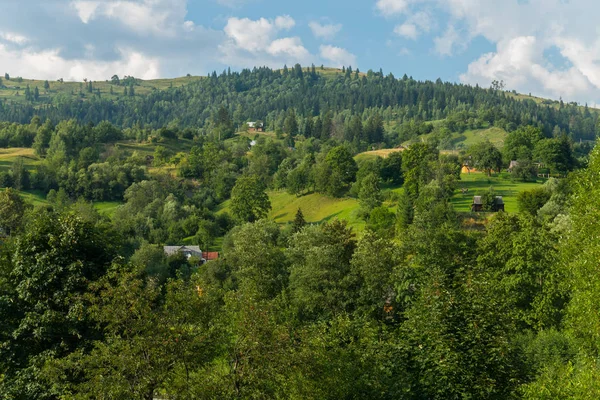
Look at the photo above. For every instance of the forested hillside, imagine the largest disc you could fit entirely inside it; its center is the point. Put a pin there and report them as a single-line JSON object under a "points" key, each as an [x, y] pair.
{"points": [[380, 238], [265, 94]]}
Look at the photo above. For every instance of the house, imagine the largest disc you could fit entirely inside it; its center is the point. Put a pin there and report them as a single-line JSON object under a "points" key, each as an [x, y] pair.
{"points": [[477, 204], [256, 127], [512, 165], [187, 251], [498, 204]]}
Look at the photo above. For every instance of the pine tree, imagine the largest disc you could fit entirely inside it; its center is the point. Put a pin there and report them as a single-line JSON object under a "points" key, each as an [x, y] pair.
{"points": [[90, 88], [46, 85], [131, 91], [299, 221], [28, 95], [36, 94]]}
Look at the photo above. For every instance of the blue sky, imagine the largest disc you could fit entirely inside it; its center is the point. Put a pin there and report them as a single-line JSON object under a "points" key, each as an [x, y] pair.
{"points": [[549, 48]]}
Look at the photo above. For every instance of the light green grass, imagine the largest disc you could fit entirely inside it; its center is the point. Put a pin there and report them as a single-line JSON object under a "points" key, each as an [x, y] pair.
{"points": [[147, 149], [10, 155], [479, 183], [317, 208], [373, 154], [495, 135], [107, 208]]}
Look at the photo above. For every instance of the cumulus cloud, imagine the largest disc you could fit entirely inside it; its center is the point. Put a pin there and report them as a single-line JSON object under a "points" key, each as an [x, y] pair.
{"points": [[522, 33], [71, 39], [158, 17], [252, 42], [324, 31], [337, 56], [48, 63], [392, 7], [14, 38], [414, 25]]}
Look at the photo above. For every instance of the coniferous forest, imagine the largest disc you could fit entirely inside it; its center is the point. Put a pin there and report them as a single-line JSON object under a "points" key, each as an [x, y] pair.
{"points": [[419, 301]]}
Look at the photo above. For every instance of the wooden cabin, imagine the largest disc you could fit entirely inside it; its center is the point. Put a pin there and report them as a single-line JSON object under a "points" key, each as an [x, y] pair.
{"points": [[256, 127], [498, 204], [477, 205]]}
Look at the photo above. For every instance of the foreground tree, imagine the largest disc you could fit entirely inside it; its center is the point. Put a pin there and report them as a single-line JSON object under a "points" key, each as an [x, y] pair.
{"points": [[46, 271], [12, 209]]}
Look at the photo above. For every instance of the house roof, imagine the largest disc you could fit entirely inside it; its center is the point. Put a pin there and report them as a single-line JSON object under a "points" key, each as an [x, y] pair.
{"points": [[210, 255], [170, 250], [477, 200], [254, 124]]}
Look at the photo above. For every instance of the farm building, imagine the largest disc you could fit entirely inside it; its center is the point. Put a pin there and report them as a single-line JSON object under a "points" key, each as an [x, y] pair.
{"points": [[256, 127], [187, 251], [477, 204], [498, 204]]}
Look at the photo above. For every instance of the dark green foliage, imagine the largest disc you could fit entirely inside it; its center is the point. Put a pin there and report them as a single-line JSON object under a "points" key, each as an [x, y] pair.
{"points": [[486, 157], [391, 168], [299, 221], [50, 268], [12, 210], [555, 154], [532, 200], [249, 202]]}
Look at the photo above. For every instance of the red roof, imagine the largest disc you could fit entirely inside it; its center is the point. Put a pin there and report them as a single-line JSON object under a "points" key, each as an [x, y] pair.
{"points": [[210, 255]]}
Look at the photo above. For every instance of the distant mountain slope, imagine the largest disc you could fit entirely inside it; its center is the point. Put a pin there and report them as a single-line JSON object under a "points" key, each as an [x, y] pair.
{"points": [[265, 94]]}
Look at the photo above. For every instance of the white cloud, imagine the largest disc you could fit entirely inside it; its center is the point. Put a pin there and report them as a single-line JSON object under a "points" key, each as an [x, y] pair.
{"points": [[285, 22], [156, 17], [444, 44], [250, 35], [407, 30], [523, 32], [415, 24], [14, 38], [337, 56], [256, 42], [48, 64], [392, 7], [324, 31], [289, 47]]}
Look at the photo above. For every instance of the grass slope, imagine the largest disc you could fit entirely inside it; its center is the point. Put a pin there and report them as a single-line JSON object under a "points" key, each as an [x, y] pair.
{"points": [[494, 134], [9, 156], [317, 208], [479, 183]]}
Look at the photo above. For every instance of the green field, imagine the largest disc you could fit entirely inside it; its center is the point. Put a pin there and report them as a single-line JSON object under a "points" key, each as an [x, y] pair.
{"points": [[470, 137], [479, 183], [9, 156], [316, 208]]}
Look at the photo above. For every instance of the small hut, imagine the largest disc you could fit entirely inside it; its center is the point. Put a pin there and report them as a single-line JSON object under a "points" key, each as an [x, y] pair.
{"points": [[477, 204], [498, 204]]}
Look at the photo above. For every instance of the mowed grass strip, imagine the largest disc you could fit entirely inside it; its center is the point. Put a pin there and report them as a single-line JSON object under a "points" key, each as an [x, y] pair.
{"points": [[10, 155], [479, 183], [383, 153]]}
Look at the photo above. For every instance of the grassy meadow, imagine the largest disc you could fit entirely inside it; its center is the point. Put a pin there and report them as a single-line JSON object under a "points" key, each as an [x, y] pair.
{"points": [[478, 183], [10, 155]]}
